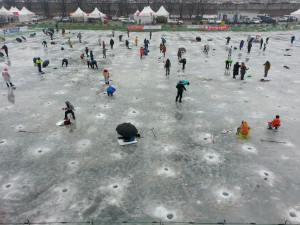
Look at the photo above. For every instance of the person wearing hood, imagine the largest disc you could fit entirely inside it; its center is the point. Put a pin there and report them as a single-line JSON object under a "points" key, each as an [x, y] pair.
{"points": [[79, 36], [243, 131], [69, 109], [243, 70], [106, 76], [275, 123], [110, 90], [64, 61], [185, 82], [92, 55], [267, 68], [6, 77], [241, 44], [180, 87], [168, 66], [236, 68], [4, 47], [111, 43], [293, 38], [39, 64], [147, 44]]}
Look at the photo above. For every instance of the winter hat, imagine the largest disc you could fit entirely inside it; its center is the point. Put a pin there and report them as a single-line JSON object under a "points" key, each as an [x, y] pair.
{"points": [[5, 69], [105, 70]]}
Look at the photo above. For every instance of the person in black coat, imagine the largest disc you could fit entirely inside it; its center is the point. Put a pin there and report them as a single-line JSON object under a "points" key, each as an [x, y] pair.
{"points": [[64, 61], [249, 46], [4, 47], [112, 43], [180, 87], [236, 68], [167, 66], [183, 61], [261, 42]]}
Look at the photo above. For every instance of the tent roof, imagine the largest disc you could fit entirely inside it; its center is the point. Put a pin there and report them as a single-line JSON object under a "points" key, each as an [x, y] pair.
{"points": [[79, 12], [14, 9], [162, 12], [137, 12], [296, 12], [3, 9], [25, 11], [96, 13], [147, 10]]}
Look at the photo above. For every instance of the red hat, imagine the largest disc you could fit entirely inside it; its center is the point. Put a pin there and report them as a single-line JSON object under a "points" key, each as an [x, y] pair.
{"points": [[5, 69]]}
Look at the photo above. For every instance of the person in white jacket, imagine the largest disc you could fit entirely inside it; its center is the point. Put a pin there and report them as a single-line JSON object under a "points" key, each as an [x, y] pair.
{"points": [[7, 77]]}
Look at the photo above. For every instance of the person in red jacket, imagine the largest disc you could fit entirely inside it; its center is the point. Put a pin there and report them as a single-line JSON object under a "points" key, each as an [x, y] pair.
{"points": [[103, 44], [164, 49], [275, 123], [141, 51]]}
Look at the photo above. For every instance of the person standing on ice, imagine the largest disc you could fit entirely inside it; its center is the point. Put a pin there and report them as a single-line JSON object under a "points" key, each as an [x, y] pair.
{"points": [[179, 54], [92, 55], [249, 38], [228, 40], [243, 131], [63, 31], [161, 47], [103, 44], [127, 32], [104, 53], [164, 49], [106, 76], [45, 44], [39, 64], [150, 35], [241, 44], [228, 63], [141, 52], [261, 43], [6, 77], [79, 36], [147, 44], [4, 47], [243, 70], [267, 40], [70, 43], [163, 40], [265, 46], [69, 109], [236, 68], [249, 46], [267, 68], [293, 39], [127, 44], [99, 40], [229, 52], [168, 66], [87, 51], [111, 42], [183, 61], [180, 87], [136, 41]]}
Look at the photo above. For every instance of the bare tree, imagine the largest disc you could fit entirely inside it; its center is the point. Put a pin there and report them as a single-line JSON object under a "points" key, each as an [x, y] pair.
{"points": [[123, 6], [28, 4], [78, 3], [107, 6], [170, 6], [63, 6], [203, 6], [181, 6], [10, 3], [45, 6], [191, 6]]}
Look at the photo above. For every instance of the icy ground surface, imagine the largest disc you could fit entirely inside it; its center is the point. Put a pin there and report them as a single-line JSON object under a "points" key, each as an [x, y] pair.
{"points": [[80, 172]]}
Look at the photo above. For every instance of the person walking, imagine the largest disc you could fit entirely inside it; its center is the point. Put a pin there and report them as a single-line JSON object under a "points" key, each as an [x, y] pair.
{"points": [[127, 32], [163, 40], [228, 40], [261, 43], [183, 61], [168, 66], [236, 68], [79, 36], [249, 46], [267, 68], [243, 70], [267, 40], [179, 54], [141, 52], [147, 44], [113, 33], [87, 51], [164, 50], [104, 53], [161, 47], [180, 87], [99, 40], [64, 61], [136, 41], [229, 52], [150, 35], [293, 39], [265, 46], [5, 48], [45, 44], [39, 64], [51, 35], [106, 76], [6, 77], [103, 44], [69, 109], [127, 44], [112, 43], [241, 44]]}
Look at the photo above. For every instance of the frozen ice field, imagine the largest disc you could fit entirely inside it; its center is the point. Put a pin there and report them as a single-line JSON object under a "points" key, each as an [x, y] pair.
{"points": [[78, 172]]}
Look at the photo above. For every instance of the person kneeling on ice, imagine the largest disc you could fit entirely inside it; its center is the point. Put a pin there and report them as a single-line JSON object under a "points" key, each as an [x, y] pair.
{"points": [[243, 131], [92, 63], [69, 109], [185, 82], [275, 123], [110, 90]]}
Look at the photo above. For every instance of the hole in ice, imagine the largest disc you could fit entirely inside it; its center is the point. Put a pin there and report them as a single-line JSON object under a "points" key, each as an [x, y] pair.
{"points": [[40, 151], [204, 138], [133, 111], [72, 163], [249, 148], [211, 157], [64, 190], [170, 216], [225, 194], [292, 214], [266, 174], [115, 186], [8, 186], [279, 106], [166, 169]]}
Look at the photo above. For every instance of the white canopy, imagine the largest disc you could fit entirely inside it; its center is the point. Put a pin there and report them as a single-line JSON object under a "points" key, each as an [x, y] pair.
{"points": [[147, 11], [25, 11], [14, 10], [3, 10], [78, 13], [137, 13], [96, 14], [296, 13], [25, 15], [162, 12]]}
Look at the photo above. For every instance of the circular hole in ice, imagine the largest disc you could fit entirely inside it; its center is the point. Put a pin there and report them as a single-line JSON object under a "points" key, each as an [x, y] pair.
{"points": [[133, 111], [292, 214], [205, 138], [64, 190], [72, 163], [279, 106], [249, 148], [40, 151], [225, 194], [266, 174], [166, 169], [211, 157], [170, 216], [8, 186], [115, 186]]}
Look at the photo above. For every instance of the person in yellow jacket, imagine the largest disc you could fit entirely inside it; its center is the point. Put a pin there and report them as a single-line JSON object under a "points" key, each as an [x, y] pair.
{"points": [[267, 68], [136, 41], [243, 130]]}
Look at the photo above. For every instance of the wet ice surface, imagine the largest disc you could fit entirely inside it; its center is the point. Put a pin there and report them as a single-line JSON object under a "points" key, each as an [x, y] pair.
{"points": [[80, 172]]}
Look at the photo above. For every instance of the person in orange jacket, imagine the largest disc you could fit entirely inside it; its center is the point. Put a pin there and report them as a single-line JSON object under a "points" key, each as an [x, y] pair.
{"points": [[106, 76], [243, 130], [136, 41], [267, 68], [275, 123], [141, 51]]}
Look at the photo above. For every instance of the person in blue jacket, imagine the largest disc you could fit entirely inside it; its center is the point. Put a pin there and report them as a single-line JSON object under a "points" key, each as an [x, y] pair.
{"points": [[110, 90], [185, 82], [92, 55]]}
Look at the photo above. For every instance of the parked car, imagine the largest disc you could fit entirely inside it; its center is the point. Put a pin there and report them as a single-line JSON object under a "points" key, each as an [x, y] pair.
{"points": [[57, 18], [239, 21], [65, 19], [35, 18], [255, 21], [115, 18], [211, 21], [121, 18], [218, 21], [128, 21], [42, 17], [175, 21]]}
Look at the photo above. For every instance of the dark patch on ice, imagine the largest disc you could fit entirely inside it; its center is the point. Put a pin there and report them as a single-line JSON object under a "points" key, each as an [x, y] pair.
{"points": [[204, 138], [8, 186], [133, 111], [211, 157], [249, 148], [72, 163], [266, 174], [166, 169], [170, 216], [40, 151], [115, 186], [64, 190], [292, 214], [225, 194]]}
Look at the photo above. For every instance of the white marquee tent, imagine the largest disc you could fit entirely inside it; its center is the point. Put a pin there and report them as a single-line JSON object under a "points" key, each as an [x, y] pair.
{"points": [[162, 15], [25, 15], [96, 14], [296, 14], [146, 16], [4, 15], [79, 15]]}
